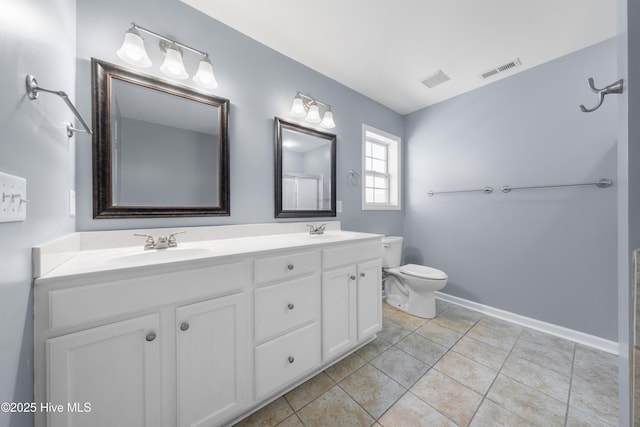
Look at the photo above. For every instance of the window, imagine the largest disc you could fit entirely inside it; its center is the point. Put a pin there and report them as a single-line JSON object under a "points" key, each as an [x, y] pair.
{"points": [[381, 166]]}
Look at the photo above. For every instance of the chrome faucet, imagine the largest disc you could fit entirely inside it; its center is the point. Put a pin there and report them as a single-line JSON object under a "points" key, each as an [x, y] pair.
{"points": [[162, 242], [316, 230]]}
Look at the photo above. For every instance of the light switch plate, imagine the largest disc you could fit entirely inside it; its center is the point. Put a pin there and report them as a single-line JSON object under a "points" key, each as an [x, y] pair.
{"points": [[13, 198], [339, 206], [72, 203]]}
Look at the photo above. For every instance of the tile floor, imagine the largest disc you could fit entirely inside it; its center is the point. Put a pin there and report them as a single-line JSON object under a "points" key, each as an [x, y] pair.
{"points": [[460, 369]]}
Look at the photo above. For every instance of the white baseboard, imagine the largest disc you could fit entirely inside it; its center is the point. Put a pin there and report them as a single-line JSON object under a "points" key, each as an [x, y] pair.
{"points": [[549, 328]]}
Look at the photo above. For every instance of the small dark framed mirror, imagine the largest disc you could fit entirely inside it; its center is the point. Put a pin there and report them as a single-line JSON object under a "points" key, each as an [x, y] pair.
{"points": [[159, 149], [305, 171]]}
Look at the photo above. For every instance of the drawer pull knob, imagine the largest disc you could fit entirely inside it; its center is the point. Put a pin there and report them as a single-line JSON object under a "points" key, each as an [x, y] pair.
{"points": [[291, 359], [290, 266], [151, 336], [290, 306], [362, 274], [184, 326], [352, 277]]}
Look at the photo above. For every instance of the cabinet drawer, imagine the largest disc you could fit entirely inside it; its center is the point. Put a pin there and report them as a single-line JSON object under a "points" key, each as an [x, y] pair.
{"points": [[281, 360], [286, 266], [78, 306], [352, 254], [285, 306]]}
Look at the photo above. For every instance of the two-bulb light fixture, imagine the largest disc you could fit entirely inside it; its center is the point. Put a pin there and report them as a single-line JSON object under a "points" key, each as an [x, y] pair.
{"points": [[133, 52], [306, 107]]}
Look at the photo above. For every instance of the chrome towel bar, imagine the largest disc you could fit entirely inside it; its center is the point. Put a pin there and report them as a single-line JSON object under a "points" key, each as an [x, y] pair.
{"points": [[33, 90], [601, 183]]}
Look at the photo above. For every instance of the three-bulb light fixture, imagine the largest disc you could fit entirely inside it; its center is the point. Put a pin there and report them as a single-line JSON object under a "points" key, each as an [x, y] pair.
{"points": [[133, 52], [306, 107]]}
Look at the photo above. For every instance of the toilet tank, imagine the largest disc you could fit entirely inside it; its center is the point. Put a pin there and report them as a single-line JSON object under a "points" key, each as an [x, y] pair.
{"points": [[391, 251]]}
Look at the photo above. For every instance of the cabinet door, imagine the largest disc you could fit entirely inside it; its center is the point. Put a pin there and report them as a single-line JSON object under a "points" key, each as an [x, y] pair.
{"points": [[369, 299], [338, 311], [211, 341], [114, 369]]}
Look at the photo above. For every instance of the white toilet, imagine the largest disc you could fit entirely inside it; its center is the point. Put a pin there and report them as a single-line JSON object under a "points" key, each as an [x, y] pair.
{"points": [[410, 288]]}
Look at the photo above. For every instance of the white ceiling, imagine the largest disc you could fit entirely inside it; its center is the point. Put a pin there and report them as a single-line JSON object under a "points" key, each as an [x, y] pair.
{"points": [[384, 49]]}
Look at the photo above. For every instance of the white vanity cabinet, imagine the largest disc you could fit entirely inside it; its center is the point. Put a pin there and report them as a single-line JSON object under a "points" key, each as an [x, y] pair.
{"points": [[115, 369], [202, 341], [156, 350], [351, 297], [286, 319]]}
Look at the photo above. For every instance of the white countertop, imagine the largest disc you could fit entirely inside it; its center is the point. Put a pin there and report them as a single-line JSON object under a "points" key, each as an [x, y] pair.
{"points": [[65, 258]]}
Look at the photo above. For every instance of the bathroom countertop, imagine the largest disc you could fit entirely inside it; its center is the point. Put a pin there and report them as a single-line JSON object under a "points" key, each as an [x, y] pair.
{"points": [[120, 261]]}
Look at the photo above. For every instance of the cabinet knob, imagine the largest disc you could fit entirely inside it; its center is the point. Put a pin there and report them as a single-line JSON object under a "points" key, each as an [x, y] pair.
{"points": [[290, 306], [362, 274], [184, 326], [290, 266], [151, 336], [291, 359], [352, 277]]}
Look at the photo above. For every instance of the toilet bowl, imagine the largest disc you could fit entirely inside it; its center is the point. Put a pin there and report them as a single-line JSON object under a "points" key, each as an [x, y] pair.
{"points": [[410, 288]]}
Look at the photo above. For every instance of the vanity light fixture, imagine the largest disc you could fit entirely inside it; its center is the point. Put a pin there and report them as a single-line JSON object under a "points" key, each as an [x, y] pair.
{"points": [[133, 52], [307, 107]]}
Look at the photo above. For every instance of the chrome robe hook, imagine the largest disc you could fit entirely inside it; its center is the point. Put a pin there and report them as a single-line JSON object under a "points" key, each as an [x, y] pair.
{"points": [[612, 88]]}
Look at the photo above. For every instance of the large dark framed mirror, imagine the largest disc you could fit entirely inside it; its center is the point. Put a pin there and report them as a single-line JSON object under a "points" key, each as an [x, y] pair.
{"points": [[305, 171], [159, 149]]}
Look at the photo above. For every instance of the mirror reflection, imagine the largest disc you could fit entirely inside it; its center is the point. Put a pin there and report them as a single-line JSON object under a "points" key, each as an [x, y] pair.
{"points": [[305, 171], [159, 150]]}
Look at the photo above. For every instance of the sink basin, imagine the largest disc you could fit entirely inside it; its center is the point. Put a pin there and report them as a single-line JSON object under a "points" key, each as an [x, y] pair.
{"points": [[153, 256]]}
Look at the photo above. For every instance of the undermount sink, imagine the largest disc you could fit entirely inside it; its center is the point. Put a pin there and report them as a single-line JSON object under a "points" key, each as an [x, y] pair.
{"points": [[159, 255]]}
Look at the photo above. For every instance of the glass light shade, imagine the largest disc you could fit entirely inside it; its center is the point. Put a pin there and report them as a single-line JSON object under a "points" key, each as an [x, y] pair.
{"points": [[297, 108], [204, 76], [173, 65], [132, 50], [314, 114], [327, 120]]}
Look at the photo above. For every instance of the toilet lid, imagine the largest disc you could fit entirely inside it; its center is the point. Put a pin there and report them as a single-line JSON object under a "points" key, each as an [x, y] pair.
{"points": [[424, 272]]}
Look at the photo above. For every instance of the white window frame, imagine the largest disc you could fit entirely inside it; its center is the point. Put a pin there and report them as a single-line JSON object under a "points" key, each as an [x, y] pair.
{"points": [[394, 167]]}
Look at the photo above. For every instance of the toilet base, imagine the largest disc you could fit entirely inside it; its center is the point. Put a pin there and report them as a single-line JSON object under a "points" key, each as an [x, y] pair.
{"points": [[419, 305]]}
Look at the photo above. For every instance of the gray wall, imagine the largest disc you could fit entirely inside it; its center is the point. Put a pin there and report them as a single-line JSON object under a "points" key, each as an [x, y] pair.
{"points": [[37, 37], [260, 84], [547, 254]]}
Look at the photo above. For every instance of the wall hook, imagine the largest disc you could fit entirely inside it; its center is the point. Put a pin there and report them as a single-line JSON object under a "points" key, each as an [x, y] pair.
{"points": [[612, 88]]}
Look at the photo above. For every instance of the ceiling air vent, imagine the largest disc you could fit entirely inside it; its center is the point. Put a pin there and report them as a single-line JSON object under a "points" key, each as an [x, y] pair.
{"points": [[502, 68], [436, 79]]}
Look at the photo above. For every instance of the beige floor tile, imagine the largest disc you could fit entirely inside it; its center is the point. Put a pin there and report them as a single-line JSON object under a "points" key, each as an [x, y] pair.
{"points": [[269, 416], [305, 393], [449, 397], [334, 408], [422, 348], [557, 359], [594, 401], [392, 332], [471, 374], [345, 367], [599, 367], [410, 411], [532, 405], [535, 376], [577, 418], [491, 415], [439, 333], [499, 339], [500, 325], [373, 349], [292, 421], [372, 390], [400, 366], [458, 318], [443, 305], [480, 352], [406, 320]]}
